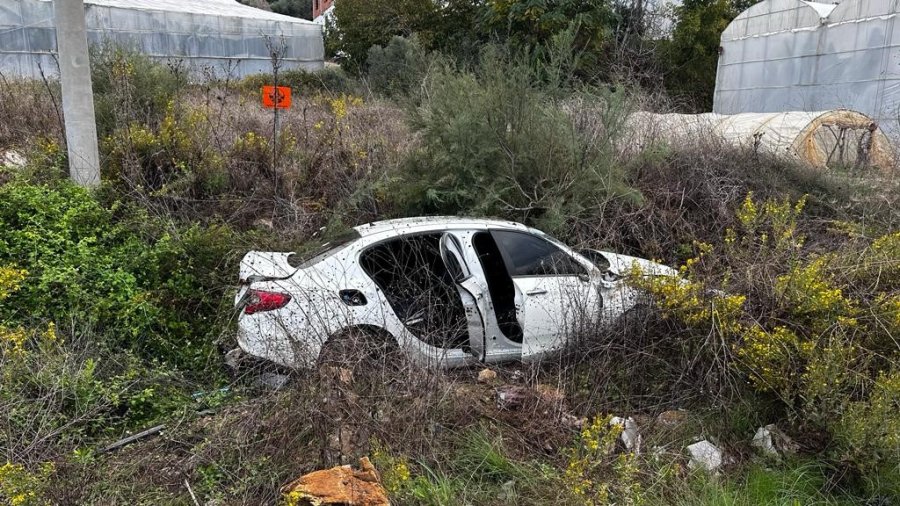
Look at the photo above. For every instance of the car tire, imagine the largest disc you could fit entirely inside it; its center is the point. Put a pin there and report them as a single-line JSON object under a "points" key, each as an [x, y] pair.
{"points": [[362, 352]]}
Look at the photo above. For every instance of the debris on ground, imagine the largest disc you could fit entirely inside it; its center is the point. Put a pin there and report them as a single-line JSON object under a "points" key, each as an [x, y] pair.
{"points": [[487, 376], [233, 359], [770, 441], [272, 381], [342, 375], [672, 418], [13, 159], [630, 436], [341, 485], [551, 395], [512, 396], [705, 455]]}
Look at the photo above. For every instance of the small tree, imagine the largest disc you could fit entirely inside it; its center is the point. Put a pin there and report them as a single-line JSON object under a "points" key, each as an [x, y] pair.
{"points": [[361, 24], [693, 52]]}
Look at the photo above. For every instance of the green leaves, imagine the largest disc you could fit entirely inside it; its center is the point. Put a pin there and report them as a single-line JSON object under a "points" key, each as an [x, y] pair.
{"points": [[87, 268]]}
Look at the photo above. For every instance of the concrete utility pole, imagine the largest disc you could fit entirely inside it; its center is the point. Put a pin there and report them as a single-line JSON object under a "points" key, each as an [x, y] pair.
{"points": [[77, 92]]}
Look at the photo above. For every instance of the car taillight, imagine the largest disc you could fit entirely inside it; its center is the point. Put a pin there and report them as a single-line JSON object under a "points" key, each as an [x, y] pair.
{"points": [[259, 301]]}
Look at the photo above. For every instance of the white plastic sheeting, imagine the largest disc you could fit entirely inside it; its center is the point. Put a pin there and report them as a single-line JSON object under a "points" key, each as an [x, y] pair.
{"points": [[793, 55], [819, 139], [220, 34]]}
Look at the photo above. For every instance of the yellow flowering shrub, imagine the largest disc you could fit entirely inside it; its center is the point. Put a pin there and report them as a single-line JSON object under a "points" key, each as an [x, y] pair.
{"points": [[888, 309], [883, 262], [21, 487], [772, 356], [10, 280], [394, 470], [689, 301], [786, 354], [810, 291], [14, 341], [341, 105], [765, 229], [594, 474], [870, 429]]}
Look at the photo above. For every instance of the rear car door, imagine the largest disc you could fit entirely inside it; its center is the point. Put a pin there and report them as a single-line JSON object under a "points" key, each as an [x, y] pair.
{"points": [[555, 298], [470, 290]]}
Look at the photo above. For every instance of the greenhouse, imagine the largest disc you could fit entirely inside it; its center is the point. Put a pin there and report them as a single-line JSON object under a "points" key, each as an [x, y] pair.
{"points": [[222, 35], [824, 139], [792, 55]]}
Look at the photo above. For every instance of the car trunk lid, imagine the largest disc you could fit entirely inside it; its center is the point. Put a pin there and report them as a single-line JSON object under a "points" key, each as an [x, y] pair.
{"points": [[259, 266]]}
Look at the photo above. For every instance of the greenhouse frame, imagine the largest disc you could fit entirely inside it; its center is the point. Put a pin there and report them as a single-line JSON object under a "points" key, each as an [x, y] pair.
{"points": [[222, 35], [793, 55], [821, 139]]}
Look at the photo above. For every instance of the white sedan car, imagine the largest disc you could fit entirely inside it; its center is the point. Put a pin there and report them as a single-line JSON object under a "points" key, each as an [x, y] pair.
{"points": [[446, 290]]}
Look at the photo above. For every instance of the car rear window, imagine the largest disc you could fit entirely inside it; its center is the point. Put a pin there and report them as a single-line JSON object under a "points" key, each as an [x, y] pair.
{"points": [[317, 253]]}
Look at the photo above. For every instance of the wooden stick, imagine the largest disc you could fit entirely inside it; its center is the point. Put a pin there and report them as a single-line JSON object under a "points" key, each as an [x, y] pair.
{"points": [[191, 491], [130, 439]]}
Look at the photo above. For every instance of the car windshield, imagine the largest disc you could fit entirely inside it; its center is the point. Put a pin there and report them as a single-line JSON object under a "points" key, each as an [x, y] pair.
{"points": [[316, 253]]}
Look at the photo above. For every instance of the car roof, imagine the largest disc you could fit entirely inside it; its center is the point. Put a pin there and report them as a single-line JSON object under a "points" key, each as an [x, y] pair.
{"points": [[428, 223]]}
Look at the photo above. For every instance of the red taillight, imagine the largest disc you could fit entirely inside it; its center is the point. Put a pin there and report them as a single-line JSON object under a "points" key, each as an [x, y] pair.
{"points": [[259, 301]]}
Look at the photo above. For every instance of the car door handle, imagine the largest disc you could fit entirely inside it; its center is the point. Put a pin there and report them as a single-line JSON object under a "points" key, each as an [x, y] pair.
{"points": [[536, 291]]}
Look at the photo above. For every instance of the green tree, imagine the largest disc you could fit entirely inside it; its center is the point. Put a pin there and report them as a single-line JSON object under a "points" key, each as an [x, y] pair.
{"points": [[296, 8], [533, 24], [361, 24], [693, 53]]}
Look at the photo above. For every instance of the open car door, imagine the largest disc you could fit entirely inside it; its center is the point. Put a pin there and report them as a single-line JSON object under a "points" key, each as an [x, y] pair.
{"points": [[470, 290]]}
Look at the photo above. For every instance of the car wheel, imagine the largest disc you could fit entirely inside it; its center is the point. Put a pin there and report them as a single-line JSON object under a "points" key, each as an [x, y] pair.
{"points": [[357, 369], [360, 353]]}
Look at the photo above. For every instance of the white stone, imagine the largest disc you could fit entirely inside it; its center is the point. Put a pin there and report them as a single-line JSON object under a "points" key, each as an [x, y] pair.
{"points": [[631, 436], [12, 159], [763, 440], [705, 455]]}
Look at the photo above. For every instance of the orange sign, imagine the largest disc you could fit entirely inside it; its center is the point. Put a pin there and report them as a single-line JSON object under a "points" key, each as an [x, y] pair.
{"points": [[276, 97]]}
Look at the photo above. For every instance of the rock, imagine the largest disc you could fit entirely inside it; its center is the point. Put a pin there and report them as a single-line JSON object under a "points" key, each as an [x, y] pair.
{"points": [[762, 441], [341, 485], [573, 421], [705, 455], [234, 358], [264, 223], [672, 418], [769, 440], [631, 436], [487, 376], [13, 159], [508, 492]]}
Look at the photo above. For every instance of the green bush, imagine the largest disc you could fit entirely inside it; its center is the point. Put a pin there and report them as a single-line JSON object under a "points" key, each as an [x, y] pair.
{"points": [[808, 333], [131, 87], [499, 141], [396, 68], [134, 288], [329, 80]]}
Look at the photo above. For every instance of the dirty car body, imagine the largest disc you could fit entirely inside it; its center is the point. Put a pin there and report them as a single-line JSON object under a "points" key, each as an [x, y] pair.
{"points": [[449, 291]]}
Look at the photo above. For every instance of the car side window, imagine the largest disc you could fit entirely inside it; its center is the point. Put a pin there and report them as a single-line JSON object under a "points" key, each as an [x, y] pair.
{"points": [[530, 255]]}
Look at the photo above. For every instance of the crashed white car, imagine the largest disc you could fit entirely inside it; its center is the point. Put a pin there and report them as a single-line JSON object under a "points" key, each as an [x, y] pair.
{"points": [[448, 290]]}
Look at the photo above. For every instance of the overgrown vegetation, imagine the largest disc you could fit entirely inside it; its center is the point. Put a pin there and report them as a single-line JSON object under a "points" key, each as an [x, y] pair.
{"points": [[115, 304]]}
